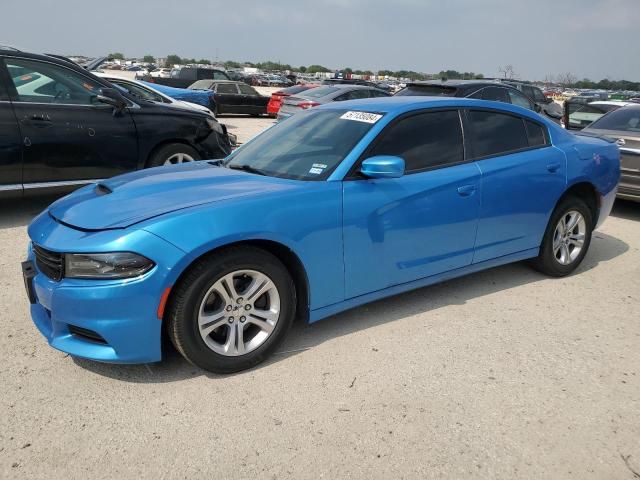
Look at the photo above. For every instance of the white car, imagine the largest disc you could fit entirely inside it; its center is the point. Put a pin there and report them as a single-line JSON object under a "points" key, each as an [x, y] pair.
{"points": [[146, 92], [161, 73]]}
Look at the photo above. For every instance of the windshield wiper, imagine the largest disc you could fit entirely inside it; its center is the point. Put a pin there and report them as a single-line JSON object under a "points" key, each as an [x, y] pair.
{"points": [[247, 168]]}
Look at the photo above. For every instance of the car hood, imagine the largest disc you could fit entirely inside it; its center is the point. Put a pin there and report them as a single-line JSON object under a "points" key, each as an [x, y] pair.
{"points": [[132, 198]]}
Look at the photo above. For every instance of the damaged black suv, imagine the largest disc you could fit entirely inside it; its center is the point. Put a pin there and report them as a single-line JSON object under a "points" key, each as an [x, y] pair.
{"points": [[62, 127]]}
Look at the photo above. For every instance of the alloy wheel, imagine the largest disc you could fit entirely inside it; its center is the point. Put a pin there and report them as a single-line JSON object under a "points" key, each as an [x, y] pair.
{"points": [[568, 237], [177, 158], [239, 312]]}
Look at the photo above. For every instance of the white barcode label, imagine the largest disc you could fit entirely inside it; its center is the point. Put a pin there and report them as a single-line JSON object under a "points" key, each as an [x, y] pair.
{"points": [[365, 117]]}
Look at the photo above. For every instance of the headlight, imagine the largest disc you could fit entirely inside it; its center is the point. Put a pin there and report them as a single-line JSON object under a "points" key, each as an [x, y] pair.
{"points": [[215, 126], [106, 265]]}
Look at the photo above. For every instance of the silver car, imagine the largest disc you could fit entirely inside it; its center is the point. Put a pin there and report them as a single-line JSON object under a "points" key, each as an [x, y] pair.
{"points": [[326, 94], [623, 125]]}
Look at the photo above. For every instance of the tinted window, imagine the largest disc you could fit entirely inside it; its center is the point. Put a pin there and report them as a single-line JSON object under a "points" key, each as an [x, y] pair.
{"points": [[493, 133], [187, 74], [527, 90], [519, 99], [353, 95], [538, 96], [535, 132], [623, 119], [307, 146], [226, 88], [247, 90], [137, 91], [40, 82], [427, 90], [217, 75], [425, 140], [378, 93], [497, 94]]}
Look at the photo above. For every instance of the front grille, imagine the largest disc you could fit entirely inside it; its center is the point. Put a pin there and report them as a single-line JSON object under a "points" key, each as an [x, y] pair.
{"points": [[50, 263], [86, 334]]}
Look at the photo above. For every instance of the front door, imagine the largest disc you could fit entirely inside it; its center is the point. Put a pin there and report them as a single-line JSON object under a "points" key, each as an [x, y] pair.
{"points": [[228, 98], [10, 145], [421, 224], [68, 136]]}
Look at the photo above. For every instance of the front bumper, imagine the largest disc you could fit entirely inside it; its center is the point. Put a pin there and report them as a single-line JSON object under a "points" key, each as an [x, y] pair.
{"points": [[121, 314], [629, 188]]}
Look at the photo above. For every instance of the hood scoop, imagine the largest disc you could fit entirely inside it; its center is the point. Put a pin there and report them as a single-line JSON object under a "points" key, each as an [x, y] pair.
{"points": [[102, 189]]}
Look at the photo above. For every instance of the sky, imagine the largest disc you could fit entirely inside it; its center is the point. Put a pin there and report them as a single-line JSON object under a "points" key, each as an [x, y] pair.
{"points": [[592, 39]]}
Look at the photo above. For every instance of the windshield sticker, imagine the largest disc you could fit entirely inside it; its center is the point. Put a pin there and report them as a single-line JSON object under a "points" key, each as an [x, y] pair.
{"points": [[319, 165], [365, 117], [316, 170]]}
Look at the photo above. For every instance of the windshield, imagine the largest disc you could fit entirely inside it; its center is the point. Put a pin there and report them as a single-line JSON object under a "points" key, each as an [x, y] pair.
{"points": [[307, 146], [623, 119]]}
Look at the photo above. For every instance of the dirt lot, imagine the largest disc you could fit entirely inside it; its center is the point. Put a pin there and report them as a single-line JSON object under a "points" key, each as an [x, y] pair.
{"points": [[503, 374]]}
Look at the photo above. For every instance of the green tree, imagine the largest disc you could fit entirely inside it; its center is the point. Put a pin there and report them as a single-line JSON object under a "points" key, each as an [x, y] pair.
{"points": [[231, 64], [302, 69], [317, 68], [204, 61], [172, 60], [116, 56], [149, 59]]}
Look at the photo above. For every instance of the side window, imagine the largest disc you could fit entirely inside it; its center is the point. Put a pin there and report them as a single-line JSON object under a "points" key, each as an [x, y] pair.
{"points": [[424, 141], [247, 90], [217, 75], [138, 91], [229, 88], [493, 133], [479, 94], [519, 99], [527, 90], [378, 93], [41, 82], [497, 94], [536, 135], [188, 74], [538, 96]]}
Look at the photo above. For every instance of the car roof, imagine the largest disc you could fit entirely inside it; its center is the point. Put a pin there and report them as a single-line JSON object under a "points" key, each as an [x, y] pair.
{"points": [[398, 105]]}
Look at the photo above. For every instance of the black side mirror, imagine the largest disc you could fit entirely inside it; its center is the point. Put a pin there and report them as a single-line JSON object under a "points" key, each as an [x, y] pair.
{"points": [[112, 97]]}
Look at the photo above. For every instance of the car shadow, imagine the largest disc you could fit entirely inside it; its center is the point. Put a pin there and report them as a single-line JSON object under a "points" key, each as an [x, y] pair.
{"points": [[20, 212], [626, 209], [303, 336]]}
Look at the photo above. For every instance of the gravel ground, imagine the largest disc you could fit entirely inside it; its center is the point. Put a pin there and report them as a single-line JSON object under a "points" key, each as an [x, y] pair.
{"points": [[503, 374]]}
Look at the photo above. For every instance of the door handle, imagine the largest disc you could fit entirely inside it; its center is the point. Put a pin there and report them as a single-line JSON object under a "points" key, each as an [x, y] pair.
{"points": [[36, 120], [553, 167], [466, 190]]}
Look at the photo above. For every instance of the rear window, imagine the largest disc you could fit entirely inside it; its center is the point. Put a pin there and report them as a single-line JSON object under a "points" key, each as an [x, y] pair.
{"points": [[493, 133], [320, 92], [201, 85], [427, 91], [623, 119], [293, 90]]}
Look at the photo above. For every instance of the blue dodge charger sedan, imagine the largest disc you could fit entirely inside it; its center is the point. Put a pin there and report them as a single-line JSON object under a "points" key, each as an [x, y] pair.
{"points": [[341, 205]]}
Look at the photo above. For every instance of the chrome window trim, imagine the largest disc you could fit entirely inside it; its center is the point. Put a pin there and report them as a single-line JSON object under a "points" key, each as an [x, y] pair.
{"points": [[67, 183], [10, 187]]}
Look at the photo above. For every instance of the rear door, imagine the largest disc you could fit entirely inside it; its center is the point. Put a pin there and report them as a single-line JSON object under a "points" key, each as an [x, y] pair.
{"points": [[523, 176], [398, 230], [252, 101], [10, 142], [228, 98], [69, 138]]}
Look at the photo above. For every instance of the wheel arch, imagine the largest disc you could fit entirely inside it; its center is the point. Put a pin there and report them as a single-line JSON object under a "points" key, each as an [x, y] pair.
{"points": [[282, 252], [587, 192]]}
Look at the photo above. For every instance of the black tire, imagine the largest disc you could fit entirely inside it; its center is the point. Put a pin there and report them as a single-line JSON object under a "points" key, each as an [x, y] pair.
{"points": [[546, 262], [161, 155], [187, 296]]}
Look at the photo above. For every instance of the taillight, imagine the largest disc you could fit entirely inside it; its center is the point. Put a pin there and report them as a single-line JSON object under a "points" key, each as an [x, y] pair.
{"points": [[305, 105]]}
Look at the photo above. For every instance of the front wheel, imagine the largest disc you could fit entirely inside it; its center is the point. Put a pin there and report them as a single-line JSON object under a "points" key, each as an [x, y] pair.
{"points": [[567, 238], [173, 154], [231, 310]]}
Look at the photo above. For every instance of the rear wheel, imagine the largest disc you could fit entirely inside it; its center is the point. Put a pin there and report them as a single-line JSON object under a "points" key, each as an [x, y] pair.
{"points": [[231, 310], [567, 238], [173, 154]]}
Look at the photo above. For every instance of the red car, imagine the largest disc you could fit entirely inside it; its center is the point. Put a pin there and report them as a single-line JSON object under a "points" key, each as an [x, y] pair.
{"points": [[273, 107]]}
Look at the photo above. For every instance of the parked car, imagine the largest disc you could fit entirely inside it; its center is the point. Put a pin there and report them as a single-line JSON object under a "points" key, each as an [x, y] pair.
{"points": [[579, 112], [145, 91], [200, 97], [546, 104], [162, 73], [623, 125], [62, 127], [233, 97], [480, 89], [275, 102], [326, 94], [341, 205], [185, 76]]}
